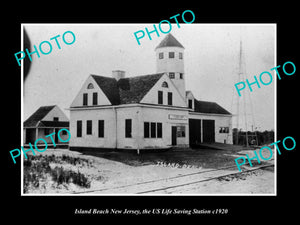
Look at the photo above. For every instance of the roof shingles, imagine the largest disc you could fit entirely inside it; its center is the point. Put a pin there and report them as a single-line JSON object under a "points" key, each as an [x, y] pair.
{"points": [[38, 115], [133, 89], [209, 107], [169, 41], [126, 90]]}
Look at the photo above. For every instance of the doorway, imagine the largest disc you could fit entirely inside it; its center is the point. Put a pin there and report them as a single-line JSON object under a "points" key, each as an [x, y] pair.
{"points": [[174, 135], [195, 132], [208, 131]]}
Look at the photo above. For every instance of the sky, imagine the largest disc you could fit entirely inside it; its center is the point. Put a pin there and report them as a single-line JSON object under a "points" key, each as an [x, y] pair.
{"points": [[211, 62]]}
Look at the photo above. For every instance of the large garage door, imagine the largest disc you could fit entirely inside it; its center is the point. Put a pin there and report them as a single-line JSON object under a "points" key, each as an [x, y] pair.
{"points": [[208, 131], [195, 132]]}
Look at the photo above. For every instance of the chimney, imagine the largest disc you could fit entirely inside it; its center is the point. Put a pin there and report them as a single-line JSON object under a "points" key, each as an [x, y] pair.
{"points": [[118, 74]]}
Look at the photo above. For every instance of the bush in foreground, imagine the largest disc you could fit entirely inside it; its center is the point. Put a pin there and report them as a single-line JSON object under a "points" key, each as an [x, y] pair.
{"points": [[37, 168]]}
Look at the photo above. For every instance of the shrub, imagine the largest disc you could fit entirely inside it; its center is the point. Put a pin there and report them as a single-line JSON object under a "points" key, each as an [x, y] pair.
{"points": [[61, 176], [37, 167]]}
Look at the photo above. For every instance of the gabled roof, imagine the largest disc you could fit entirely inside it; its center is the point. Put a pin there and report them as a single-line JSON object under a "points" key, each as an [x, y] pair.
{"points": [[133, 90], [169, 41], [109, 86], [126, 90], [209, 107], [38, 115]]}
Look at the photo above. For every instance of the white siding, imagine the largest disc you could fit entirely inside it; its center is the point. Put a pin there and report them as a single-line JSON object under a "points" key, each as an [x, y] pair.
{"points": [[152, 96], [162, 115], [114, 134], [93, 140], [102, 99], [56, 112]]}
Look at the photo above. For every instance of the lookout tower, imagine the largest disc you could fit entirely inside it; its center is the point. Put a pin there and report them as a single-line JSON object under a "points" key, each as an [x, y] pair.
{"points": [[170, 60]]}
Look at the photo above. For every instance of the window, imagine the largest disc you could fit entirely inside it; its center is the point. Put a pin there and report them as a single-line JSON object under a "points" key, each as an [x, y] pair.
{"points": [[90, 86], [171, 55], [101, 128], [153, 130], [85, 98], [95, 98], [159, 130], [180, 55], [128, 128], [181, 75], [161, 55], [146, 129], [47, 131], [190, 103], [55, 118], [172, 75], [170, 98], [160, 97], [224, 130], [79, 128], [88, 127], [165, 84], [180, 131]]}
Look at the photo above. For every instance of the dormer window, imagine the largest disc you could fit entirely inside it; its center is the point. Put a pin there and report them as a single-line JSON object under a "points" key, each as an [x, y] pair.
{"points": [[90, 86], [55, 118], [165, 84]]}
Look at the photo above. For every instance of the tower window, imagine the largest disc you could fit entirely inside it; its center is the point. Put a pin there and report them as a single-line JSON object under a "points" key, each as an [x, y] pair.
{"points": [[172, 75], [181, 75], [171, 55], [161, 55], [180, 55]]}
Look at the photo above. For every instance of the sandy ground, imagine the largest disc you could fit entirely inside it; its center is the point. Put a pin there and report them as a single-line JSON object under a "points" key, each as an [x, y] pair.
{"points": [[112, 177]]}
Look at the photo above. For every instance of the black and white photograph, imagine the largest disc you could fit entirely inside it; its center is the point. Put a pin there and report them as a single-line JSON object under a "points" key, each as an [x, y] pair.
{"points": [[130, 109], [150, 112]]}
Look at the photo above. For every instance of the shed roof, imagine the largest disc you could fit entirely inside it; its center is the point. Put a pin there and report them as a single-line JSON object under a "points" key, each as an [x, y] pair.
{"points": [[209, 107]]}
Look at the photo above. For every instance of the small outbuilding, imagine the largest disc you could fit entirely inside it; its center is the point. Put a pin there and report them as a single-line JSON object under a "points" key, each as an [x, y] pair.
{"points": [[44, 121]]}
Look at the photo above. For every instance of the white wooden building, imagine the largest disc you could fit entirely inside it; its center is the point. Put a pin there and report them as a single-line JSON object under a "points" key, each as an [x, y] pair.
{"points": [[146, 112], [44, 121]]}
